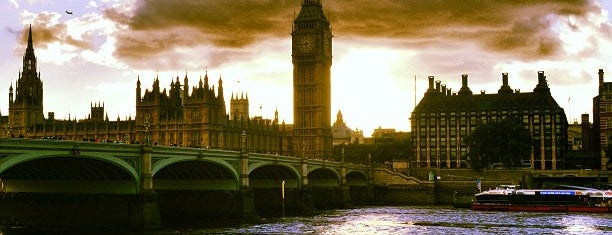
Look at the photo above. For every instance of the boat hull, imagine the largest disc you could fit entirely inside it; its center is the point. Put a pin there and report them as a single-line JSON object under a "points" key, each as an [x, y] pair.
{"points": [[541, 208]]}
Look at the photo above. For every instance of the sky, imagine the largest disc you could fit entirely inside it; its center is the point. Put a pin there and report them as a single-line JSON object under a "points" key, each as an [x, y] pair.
{"points": [[383, 51]]}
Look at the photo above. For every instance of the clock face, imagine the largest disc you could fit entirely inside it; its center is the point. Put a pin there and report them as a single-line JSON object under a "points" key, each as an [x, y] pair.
{"points": [[305, 43]]}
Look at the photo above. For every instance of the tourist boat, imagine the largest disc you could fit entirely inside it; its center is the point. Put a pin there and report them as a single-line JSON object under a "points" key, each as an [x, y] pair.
{"points": [[570, 199]]}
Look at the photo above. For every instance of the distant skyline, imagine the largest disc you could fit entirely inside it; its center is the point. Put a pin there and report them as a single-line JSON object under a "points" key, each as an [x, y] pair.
{"points": [[95, 54]]}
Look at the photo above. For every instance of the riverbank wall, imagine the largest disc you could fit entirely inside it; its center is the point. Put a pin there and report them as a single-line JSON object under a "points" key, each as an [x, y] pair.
{"points": [[430, 186]]}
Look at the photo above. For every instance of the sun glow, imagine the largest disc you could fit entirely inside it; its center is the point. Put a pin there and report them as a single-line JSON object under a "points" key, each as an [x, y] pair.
{"points": [[368, 78]]}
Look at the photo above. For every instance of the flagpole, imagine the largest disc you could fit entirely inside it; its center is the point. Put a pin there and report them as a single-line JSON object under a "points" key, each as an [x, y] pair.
{"points": [[570, 110], [414, 90]]}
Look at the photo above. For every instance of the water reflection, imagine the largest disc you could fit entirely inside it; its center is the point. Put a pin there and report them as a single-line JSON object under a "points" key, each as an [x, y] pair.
{"points": [[580, 225], [405, 220], [430, 220]]}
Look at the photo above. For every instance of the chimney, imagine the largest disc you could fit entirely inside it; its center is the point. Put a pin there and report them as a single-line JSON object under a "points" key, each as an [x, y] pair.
{"points": [[504, 79], [505, 89], [542, 78], [601, 77], [542, 85], [431, 90], [438, 85], [585, 117], [431, 82], [482, 92], [443, 89], [465, 90], [448, 92]]}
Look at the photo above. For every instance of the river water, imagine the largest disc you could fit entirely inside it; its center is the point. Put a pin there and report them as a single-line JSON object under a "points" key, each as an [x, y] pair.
{"points": [[428, 220], [409, 220]]}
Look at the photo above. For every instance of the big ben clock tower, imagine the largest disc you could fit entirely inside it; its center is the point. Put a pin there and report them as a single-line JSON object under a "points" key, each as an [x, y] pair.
{"points": [[312, 59]]}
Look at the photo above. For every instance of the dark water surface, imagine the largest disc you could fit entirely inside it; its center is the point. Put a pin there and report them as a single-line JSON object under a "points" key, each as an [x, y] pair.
{"points": [[403, 220]]}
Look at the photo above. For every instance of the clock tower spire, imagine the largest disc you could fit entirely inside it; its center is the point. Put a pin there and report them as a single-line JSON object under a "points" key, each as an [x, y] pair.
{"points": [[312, 59]]}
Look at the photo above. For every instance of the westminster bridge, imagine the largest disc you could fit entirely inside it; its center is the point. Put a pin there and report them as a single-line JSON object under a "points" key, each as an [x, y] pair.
{"points": [[69, 182]]}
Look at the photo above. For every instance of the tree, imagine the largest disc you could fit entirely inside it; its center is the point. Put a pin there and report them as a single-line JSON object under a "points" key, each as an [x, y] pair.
{"points": [[505, 141], [379, 152]]}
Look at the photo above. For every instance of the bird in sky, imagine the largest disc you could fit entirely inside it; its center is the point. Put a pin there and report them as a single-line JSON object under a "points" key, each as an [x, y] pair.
{"points": [[68, 12]]}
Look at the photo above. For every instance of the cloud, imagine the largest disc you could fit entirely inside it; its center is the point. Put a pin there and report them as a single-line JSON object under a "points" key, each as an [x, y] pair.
{"points": [[159, 28], [46, 30], [92, 4], [14, 4], [519, 29]]}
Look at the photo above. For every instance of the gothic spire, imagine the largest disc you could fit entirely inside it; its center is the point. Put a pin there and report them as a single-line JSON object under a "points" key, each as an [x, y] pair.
{"points": [[30, 38], [29, 59]]}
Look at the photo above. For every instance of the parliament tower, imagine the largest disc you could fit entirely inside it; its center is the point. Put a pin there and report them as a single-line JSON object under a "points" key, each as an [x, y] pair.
{"points": [[312, 59], [26, 106]]}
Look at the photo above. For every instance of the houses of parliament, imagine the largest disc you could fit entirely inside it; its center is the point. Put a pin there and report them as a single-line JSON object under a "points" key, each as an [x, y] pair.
{"points": [[196, 115]]}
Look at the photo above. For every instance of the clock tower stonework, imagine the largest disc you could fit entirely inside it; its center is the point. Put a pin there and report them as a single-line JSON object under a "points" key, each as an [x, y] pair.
{"points": [[312, 59]]}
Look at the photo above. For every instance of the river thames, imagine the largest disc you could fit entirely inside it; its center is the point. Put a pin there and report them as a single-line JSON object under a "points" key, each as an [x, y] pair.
{"points": [[402, 220]]}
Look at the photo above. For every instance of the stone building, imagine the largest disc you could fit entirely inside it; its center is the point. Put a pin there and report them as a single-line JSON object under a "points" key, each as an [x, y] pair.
{"points": [[197, 116], [387, 135], [580, 141], [602, 120], [312, 59], [442, 119], [574, 136], [343, 134]]}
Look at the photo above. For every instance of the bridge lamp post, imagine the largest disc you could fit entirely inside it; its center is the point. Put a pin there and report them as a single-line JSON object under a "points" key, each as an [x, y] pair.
{"points": [[8, 129], [147, 137], [243, 137], [303, 148]]}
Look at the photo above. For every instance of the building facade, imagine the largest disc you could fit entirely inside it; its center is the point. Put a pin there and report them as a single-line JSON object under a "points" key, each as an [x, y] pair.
{"points": [[312, 59], [602, 119], [442, 119], [26, 104], [344, 135], [196, 116]]}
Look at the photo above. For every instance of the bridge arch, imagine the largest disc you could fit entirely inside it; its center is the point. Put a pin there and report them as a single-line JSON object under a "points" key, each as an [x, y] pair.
{"points": [[356, 178], [323, 177], [271, 175], [91, 173], [194, 174]]}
